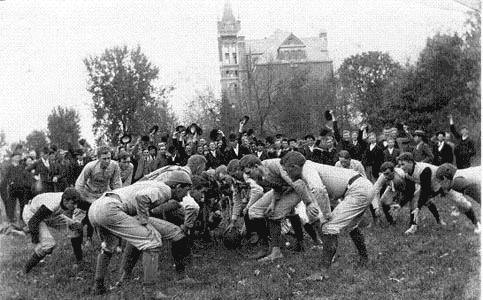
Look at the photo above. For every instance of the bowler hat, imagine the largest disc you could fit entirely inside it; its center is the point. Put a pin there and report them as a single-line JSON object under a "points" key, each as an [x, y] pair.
{"points": [[154, 129], [125, 138], [419, 132]]}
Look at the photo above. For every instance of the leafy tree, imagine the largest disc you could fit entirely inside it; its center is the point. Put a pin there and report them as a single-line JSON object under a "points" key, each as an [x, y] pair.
{"points": [[63, 126], [204, 110], [36, 140], [362, 79], [228, 118], [442, 82], [293, 104], [3, 141], [124, 96], [259, 93]]}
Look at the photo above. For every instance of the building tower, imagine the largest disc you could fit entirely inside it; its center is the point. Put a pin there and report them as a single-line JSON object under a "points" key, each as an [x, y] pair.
{"points": [[229, 52]]}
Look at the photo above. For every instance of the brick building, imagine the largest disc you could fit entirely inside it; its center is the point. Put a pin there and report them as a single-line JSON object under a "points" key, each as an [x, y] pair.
{"points": [[282, 52]]}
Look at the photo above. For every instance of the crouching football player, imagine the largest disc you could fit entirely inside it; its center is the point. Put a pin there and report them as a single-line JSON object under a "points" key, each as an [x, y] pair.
{"points": [[424, 175], [327, 182], [458, 184], [392, 191], [124, 213], [50, 210]]}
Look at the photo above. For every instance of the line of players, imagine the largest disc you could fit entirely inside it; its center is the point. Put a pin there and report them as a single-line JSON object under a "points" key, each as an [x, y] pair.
{"points": [[288, 188]]}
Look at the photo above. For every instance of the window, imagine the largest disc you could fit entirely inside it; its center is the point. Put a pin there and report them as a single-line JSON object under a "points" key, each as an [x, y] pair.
{"points": [[234, 59], [236, 73], [227, 57]]}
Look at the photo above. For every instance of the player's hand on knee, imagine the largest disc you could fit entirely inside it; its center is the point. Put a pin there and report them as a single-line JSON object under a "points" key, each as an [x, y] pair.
{"points": [[270, 210], [395, 210], [415, 212], [378, 212], [312, 210], [230, 227], [75, 226]]}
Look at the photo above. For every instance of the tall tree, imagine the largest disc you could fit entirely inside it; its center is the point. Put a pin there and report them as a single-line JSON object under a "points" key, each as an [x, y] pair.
{"points": [[204, 110], [36, 140], [259, 92], [63, 126], [3, 141], [228, 118], [124, 96], [362, 79]]}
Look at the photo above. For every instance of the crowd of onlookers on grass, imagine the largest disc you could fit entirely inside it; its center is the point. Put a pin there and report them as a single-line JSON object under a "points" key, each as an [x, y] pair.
{"points": [[28, 172]]}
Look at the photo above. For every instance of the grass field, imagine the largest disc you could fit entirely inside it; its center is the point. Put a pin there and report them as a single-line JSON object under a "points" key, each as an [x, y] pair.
{"points": [[436, 263]]}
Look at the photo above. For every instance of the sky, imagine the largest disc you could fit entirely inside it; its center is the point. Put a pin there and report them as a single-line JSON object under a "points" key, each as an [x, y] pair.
{"points": [[43, 43]]}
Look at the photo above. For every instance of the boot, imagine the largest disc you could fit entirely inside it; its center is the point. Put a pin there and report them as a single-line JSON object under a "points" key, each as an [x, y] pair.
{"points": [[32, 262], [182, 255], [358, 239], [470, 214], [129, 259], [330, 243], [309, 228], [275, 235], [150, 265], [102, 266], [434, 210], [251, 234], [77, 248], [299, 233], [260, 225]]}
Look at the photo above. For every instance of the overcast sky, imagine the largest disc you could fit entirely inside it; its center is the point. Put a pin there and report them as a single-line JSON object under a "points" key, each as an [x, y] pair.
{"points": [[43, 43]]}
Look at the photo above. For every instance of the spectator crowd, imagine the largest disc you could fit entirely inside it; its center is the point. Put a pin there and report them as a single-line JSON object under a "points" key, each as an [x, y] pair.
{"points": [[256, 187]]}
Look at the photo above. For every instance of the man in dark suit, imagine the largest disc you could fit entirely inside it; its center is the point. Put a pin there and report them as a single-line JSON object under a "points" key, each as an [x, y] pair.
{"points": [[344, 142], [235, 149], [330, 156], [372, 158], [358, 145], [261, 152], [215, 157], [465, 148], [45, 169], [422, 152], [391, 153], [308, 147], [443, 153], [79, 162]]}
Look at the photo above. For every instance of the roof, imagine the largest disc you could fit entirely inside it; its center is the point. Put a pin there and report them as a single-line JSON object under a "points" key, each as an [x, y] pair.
{"points": [[267, 48]]}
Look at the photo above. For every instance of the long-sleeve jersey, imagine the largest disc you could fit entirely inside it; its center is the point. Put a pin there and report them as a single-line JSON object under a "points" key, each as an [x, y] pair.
{"points": [[326, 182], [94, 181], [140, 197], [425, 175], [51, 201], [399, 183]]}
